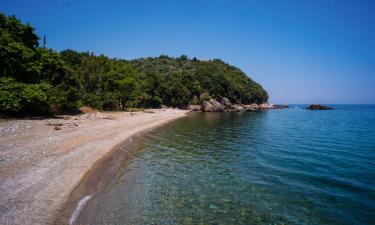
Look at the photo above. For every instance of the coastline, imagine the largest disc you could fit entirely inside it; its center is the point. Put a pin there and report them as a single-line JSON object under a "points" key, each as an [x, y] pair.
{"points": [[41, 166]]}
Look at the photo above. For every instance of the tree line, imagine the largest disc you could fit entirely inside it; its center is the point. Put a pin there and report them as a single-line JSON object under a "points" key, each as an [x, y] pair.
{"points": [[36, 80]]}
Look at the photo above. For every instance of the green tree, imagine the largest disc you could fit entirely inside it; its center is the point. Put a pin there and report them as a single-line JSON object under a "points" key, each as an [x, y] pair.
{"points": [[37, 80], [19, 98]]}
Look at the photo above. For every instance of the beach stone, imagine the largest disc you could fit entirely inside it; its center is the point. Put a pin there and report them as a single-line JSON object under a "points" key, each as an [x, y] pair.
{"points": [[55, 124], [212, 106]]}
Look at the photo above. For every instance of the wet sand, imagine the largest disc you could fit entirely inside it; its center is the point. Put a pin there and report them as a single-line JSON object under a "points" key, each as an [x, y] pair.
{"points": [[41, 166]]}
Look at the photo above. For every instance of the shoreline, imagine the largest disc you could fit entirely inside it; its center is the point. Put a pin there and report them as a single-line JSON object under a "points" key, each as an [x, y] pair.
{"points": [[99, 176], [41, 167]]}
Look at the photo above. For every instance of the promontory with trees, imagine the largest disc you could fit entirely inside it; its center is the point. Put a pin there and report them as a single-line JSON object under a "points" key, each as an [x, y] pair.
{"points": [[35, 80]]}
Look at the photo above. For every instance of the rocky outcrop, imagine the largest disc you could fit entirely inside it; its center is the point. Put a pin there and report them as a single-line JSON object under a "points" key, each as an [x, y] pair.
{"points": [[252, 107], [228, 106], [237, 108], [318, 107], [226, 103], [194, 108], [212, 106], [266, 106]]}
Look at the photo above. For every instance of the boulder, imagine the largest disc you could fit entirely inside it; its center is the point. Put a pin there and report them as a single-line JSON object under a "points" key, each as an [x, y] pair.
{"points": [[212, 106], [226, 103], [318, 107], [194, 108]]}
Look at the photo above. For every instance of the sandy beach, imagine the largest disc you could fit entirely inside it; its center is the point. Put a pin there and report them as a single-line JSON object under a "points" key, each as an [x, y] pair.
{"points": [[43, 160]]}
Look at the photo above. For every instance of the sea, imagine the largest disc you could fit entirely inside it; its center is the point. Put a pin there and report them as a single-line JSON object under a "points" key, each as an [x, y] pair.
{"points": [[287, 166]]}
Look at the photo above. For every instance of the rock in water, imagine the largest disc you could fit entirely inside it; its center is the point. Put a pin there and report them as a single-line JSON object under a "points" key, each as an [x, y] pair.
{"points": [[237, 108], [252, 107], [194, 108], [283, 106], [226, 103], [318, 107], [266, 106], [212, 106]]}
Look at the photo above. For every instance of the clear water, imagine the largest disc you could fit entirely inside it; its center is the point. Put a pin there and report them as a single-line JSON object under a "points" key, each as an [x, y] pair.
{"points": [[288, 166]]}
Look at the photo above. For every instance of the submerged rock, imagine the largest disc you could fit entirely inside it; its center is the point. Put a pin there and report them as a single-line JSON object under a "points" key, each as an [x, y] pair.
{"points": [[318, 107], [212, 106]]}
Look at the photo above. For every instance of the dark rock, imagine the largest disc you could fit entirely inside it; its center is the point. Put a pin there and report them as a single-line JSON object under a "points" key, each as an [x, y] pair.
{"points": [[212, 106], [55, 124], [284, 106], [318, 107], [57, 128], [226, 103]]}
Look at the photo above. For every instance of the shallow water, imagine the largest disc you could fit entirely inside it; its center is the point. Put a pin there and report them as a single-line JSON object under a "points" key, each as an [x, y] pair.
{"points": [[288, 166]]}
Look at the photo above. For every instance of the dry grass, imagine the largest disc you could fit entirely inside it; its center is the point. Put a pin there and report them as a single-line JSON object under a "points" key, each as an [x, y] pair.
{"points": [[87, 109]]}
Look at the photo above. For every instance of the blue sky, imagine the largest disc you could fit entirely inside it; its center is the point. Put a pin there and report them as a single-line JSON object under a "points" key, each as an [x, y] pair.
{"points": [[301, 51]]}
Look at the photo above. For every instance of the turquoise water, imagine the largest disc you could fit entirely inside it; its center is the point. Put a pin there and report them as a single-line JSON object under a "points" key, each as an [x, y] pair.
{"points": [[289, 166]]}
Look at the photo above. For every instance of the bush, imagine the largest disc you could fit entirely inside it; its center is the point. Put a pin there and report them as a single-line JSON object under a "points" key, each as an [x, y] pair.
{"points": [[20, 98]]}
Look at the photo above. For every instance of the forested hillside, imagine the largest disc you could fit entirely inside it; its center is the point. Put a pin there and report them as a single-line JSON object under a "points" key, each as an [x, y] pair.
{"points": [[35, 80]]}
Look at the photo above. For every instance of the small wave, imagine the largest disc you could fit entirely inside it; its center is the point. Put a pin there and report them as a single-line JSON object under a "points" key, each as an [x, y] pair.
{"points": [[81, 204]]}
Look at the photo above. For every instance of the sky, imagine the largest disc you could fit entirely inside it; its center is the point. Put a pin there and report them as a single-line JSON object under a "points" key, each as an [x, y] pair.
{"points": [[300, 51]]}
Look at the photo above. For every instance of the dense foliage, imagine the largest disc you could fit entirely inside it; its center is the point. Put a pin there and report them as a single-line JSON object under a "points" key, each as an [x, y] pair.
{"points": [[35, 80]]}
